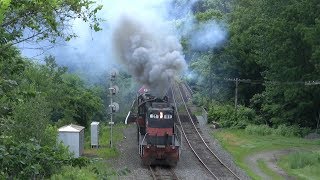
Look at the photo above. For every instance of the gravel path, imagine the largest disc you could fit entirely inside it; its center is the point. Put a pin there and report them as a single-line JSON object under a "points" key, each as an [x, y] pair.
{"points": [[270, 158]]}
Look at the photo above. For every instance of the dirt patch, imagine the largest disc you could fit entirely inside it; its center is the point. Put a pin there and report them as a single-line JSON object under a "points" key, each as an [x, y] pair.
{"points": [[270, 158]]}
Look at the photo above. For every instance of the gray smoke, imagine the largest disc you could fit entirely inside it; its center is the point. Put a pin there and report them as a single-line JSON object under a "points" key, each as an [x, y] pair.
{"points": [[150, 52], [161, 22], [209, 35]]}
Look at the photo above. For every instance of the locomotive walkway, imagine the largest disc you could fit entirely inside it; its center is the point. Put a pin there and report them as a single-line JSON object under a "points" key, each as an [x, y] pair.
{"points": [[214, 165]]}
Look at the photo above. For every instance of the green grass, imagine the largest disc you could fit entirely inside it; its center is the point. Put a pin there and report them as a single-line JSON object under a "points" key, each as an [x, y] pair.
{"points": [[303, 165], [69, 172], [105, 151], [241, 145], [99, 168], [263, 166]]}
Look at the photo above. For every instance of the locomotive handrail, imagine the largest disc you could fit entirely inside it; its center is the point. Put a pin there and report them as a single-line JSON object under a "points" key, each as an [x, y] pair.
{"points": [[126, 121], [141, 144], [144, 138], [146, 101]]}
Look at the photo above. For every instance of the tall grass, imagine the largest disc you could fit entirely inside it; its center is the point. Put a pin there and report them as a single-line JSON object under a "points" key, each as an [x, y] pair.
{"points": [[302, 159], [281, 130], [303, 165]]}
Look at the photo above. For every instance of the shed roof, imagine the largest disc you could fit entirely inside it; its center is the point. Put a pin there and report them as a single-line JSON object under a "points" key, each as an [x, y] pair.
{"points": [[95, 123], [71, 128]]}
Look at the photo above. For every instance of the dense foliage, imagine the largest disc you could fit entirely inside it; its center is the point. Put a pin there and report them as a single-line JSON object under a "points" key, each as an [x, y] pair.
{"points": [[35, 99], [275, 45]]}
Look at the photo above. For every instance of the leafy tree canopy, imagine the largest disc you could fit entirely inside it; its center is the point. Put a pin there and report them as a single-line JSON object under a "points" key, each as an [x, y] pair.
{"points": [[33, 20]]}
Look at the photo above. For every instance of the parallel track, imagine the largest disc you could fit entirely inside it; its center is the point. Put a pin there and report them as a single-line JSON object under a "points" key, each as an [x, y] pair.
{"points": [[200, 148], [162, 173]]}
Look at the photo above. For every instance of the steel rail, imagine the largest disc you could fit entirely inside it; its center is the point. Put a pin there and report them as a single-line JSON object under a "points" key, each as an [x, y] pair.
{"points": [[202, 137], [182, 129], [189, 88]]}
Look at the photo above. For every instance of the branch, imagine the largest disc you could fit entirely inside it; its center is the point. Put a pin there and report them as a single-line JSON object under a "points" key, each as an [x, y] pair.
{"points": [[7, 45]]}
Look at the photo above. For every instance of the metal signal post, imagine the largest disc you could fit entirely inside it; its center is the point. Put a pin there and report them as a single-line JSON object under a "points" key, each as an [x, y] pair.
{"points": [[114, 107]]}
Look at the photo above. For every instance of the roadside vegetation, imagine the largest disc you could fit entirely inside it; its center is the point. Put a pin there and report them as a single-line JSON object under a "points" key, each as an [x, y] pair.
{"points": [[242, 144]]}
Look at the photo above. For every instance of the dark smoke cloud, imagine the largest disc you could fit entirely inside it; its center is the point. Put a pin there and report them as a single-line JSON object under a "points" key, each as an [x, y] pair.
{"points": [[151, 53]]}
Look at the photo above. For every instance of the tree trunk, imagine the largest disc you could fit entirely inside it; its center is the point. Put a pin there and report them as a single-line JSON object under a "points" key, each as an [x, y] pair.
{"points": [[318, 119]]}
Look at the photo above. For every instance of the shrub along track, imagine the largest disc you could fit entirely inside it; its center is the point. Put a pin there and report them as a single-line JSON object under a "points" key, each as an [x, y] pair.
{"points": [[194, 139]]}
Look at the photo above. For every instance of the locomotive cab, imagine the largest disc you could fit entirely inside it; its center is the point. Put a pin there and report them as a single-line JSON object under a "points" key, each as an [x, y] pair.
{"points": [[160, 123]]}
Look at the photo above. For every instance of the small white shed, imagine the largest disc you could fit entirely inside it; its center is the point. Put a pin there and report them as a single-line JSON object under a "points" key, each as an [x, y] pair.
{"points": [[73, 137], [95, 134]]}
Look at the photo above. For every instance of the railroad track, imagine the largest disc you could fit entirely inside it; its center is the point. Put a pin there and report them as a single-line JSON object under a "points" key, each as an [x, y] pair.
{"points": [[163, 173], [200, 148], [188, 89]]}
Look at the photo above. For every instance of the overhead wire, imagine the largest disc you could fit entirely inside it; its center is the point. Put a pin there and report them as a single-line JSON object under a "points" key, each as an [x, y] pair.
{"points": [[262, 82]]}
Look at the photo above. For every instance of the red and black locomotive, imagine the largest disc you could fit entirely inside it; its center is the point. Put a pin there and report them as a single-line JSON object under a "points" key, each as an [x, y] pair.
{"points": [[158, 138]]}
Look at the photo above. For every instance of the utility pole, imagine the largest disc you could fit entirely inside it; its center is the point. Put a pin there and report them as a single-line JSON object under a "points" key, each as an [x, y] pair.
{"points": [[236, 95], [114, 107]]}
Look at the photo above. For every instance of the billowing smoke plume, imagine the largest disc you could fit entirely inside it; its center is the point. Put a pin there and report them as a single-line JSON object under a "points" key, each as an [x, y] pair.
{"points": [[153, 34], [151, 53]]}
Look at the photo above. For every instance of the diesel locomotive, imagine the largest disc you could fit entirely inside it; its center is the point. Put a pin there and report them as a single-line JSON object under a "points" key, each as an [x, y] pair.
{"points": [[158, 137]]}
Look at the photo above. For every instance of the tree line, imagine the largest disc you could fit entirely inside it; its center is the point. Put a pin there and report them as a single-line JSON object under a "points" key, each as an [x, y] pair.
{"points": [[268, 41]]}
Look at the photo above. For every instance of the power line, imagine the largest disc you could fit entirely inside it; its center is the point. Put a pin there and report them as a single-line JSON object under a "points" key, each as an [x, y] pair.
{"points": [[250, 81]]}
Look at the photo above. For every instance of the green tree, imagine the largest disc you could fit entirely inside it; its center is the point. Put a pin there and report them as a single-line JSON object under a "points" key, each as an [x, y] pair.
{"points": [[33, 20]]}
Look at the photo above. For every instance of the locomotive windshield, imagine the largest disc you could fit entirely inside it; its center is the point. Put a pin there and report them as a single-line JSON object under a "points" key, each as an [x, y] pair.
{"points": [[160, 118]]}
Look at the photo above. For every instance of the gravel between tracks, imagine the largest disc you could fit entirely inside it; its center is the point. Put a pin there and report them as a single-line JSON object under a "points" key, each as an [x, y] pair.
{"points": [[219, 151]]}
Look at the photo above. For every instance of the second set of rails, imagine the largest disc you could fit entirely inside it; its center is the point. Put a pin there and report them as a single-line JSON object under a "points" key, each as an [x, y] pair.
{"points": [[212, 163]]}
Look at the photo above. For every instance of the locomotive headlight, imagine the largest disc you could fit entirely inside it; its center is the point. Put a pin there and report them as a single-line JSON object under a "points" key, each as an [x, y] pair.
{"points": [[161, 115]]}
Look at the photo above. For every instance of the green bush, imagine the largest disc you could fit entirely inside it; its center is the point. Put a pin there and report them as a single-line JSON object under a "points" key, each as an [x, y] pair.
{"points": [[287, 131], [79, 162], [302, 159], [261, 130], [227, 116], [19, 160], [30, 160], [199, 100]]}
